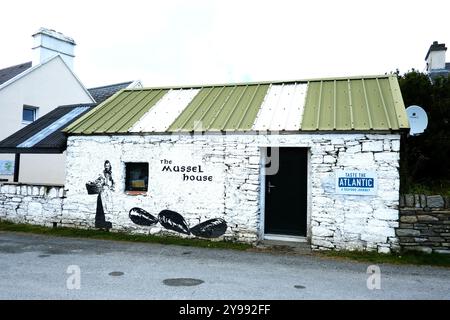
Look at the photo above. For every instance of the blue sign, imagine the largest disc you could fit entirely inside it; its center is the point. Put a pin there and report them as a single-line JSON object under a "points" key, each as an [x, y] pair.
{"points": [[6, 167], [356, 182]]}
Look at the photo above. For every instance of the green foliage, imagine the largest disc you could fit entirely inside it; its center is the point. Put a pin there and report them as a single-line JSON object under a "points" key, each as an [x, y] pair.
{"points": [[425, 157], [432, 188], [408, 257]]}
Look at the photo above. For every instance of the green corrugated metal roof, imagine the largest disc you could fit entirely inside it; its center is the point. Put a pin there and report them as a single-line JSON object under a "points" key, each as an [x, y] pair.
{"points": [[118, 113], [354, 104], [222, 108], [341, 104]]}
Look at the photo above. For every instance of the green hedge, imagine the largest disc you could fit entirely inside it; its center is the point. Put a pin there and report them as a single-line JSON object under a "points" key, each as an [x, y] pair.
{"points": [[425, 158]]}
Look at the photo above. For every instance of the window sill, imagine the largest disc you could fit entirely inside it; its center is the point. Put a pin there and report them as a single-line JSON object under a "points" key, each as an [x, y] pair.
{"points": [[136, 193]]}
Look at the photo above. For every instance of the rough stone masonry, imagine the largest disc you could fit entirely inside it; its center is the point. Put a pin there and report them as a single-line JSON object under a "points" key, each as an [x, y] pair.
{"points": [[424, 223], [232, 189], [32, 204]]}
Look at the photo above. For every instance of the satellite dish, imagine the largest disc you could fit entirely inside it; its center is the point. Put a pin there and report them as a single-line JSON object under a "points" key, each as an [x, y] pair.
{"points": [[418, 120]]}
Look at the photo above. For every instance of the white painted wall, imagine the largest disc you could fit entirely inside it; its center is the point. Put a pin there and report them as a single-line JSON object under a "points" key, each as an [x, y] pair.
{"points": [[335, 221], [47, 87], [43, 168], [436, 60], [47, 43]]}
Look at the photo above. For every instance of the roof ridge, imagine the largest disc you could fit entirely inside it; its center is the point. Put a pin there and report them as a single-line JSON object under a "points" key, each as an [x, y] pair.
{"points": [[230, 84], [77, 105], [111, 85]]}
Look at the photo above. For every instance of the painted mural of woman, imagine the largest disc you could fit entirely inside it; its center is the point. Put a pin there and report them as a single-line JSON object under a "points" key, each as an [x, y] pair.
{"points": [[108, 187], [105, 186]]}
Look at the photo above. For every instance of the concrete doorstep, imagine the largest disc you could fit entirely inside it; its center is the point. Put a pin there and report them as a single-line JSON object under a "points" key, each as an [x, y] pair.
{"points": [[284, 246]]}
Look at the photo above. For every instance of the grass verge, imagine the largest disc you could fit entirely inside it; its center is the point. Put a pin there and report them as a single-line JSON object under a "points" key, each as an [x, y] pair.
{"points": [[409, 257], [119, 236]]}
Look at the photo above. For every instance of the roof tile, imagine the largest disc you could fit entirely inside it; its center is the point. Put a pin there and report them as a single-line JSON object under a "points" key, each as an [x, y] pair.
{"points": [[10, 72]]}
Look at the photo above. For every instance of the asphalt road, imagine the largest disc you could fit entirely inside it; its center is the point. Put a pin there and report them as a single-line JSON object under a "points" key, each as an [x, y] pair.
{"points": [[41, 267]]}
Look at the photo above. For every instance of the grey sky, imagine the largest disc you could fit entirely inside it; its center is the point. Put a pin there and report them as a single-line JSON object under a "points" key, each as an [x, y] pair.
{"points": [[193, 42]]}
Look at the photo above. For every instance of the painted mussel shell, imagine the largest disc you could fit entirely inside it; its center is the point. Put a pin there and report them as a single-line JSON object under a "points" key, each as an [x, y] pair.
{"points": [[210, 229], [141, 217], [172, 220]]}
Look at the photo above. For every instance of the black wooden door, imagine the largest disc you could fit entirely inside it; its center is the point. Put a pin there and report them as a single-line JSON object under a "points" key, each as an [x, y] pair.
{"points": [[286, 193]]}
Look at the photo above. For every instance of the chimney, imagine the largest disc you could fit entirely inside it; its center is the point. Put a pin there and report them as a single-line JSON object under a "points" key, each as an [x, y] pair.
{"points": [[435, 57], [49, 43]]}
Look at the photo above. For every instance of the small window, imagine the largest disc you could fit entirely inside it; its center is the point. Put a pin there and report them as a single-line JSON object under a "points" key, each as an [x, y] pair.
{"points": [[136, 176], [29, 114]]}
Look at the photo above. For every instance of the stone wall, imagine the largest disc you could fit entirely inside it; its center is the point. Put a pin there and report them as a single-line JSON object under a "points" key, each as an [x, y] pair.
{"points": [[233, 161], [33, 204], [424, 223], [233, 193]]}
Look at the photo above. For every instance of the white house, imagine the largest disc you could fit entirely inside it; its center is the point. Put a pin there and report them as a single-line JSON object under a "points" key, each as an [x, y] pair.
{"points": [[44, 137], [29, 91]]}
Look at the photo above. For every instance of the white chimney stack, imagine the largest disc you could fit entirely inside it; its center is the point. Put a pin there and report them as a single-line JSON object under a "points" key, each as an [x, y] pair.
{"points": [[49, 43], [435, 57]]}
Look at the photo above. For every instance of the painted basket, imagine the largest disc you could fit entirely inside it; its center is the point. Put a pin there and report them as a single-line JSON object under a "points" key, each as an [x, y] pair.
{"points": [[93, 188]]}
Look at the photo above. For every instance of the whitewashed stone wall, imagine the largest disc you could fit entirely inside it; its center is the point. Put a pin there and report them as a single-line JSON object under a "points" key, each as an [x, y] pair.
{"points": [[33, 204], [233, 161]]}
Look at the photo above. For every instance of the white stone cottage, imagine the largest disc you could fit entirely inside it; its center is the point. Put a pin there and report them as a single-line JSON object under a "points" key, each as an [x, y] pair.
{"points": [[313, 160]]}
